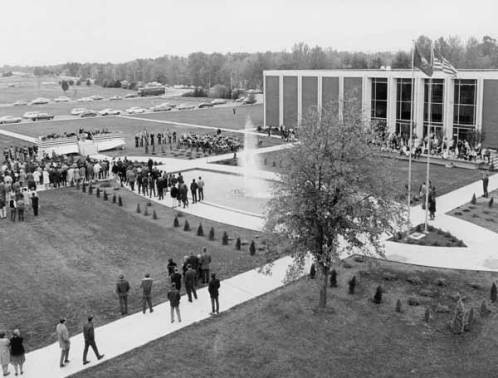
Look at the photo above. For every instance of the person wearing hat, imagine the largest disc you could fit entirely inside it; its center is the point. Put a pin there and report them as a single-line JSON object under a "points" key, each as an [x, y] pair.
{"points": [[89, 336], [64, 342], [17, 358], [146, 286], [213, 288], [122, 289]]}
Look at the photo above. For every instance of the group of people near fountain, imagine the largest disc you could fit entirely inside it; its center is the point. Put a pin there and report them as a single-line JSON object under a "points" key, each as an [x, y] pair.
{"points": [[150, 181]]}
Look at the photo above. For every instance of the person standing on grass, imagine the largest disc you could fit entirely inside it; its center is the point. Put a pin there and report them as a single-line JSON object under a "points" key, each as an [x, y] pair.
{"points": [[176, 278], [485, 182], [64, 342], [3, 199], [174, 301], [146, 286], [89, 336], [4, 353], [205, 260], [122, 289], [20, 209], [190, 276], [17, 351], [12, 204], [213, 288], [34, 203], [200, 188], [171, 267]]}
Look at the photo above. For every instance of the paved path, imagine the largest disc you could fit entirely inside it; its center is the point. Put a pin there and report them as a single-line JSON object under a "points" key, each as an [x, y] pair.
{"points": [[19, 136], [135, 330]]}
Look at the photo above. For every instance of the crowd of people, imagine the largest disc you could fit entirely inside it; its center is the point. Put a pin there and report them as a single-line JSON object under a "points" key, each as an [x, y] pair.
{"points": [[213, 143]]}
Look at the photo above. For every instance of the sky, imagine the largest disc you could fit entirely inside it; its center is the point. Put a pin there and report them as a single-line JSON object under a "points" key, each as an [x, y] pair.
{"points": [[43, 32]]}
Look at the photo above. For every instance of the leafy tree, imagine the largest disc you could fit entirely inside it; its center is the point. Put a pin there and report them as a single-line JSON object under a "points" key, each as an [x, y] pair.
{"points": [[335, 194], [64, 85]]}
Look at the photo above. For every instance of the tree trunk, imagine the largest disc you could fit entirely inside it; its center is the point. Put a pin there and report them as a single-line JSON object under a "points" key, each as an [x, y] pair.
{"points": [[323, 288]]}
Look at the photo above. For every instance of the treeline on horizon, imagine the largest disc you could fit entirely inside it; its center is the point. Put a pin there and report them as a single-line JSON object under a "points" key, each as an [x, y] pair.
{"points": [[245, 70]]}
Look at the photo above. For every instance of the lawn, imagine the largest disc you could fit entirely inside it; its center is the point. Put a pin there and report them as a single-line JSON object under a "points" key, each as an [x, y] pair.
{"points": [[434, 237], [66, 261], [282, 335], [480, 213], [7, 141], [445, 179]]}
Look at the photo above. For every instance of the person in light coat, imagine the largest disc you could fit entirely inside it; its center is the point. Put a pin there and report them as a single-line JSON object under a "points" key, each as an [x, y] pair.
{"points": [[64, 342], [4, 353]]}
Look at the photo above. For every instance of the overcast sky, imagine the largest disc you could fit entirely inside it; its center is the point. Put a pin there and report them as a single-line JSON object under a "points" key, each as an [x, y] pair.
{"points": [[36, 32]]}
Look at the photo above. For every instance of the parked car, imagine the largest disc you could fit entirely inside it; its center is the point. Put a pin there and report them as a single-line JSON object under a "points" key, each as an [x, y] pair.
{"points": [[20, 102], [185, 106], [40, 101], [42, 116], [85, 99], [9, 119], [89, 113], [218, 101], [96, 97], [29, 115], [62, 99], [131, 95], [161, 108], [135, 110], [249, 100], [78, 111], [109, 111], [205, 105], [114, 98]]}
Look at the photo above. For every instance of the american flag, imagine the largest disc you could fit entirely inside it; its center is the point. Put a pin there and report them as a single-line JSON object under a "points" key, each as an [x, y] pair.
{"points": [[442, 64]]}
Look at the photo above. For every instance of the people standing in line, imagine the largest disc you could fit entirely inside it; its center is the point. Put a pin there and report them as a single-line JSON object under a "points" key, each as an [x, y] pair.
{"points": [[213, 288], [193, 190], [89, 336], [485, 182], [146, 286], [174, 301], [64, 341], [205, 260], [17, 357], [4, 353], [200, 188], [122, 289], [190, 277], [176, 278]]}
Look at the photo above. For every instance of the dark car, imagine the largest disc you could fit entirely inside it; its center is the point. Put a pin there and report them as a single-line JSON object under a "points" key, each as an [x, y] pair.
{"points": [[42, 116]]}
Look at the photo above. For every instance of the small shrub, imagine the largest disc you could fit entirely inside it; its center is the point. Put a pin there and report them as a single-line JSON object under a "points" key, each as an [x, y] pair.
{"points": [[473, 200], [224, 238], [458, 213], [90, 189], [186, 226], [176, 223], [484, 310], [78, 185], [419, 228], [106, 196], [312, 273], [457, 324], [154, 215], [398, 306], [491, 202], [83, 188], [377, 299], [237, 244], [149, 203], [333, 278], [469, 320], [146, 212], [493, 293], [427, 315], [138, 209], [120, 201], [352, 285], [98, 192], [113, 198], [200, 231], [211, 234], [252, 248]]}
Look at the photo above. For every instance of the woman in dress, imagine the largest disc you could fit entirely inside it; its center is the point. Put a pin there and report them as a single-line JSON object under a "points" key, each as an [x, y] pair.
{"points": [[4, 353], [17, 351]]}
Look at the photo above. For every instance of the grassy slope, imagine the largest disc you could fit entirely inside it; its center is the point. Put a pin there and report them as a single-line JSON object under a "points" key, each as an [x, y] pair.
{"points": [[66, 261], [480, 213], [281, 335], [7, 141]]}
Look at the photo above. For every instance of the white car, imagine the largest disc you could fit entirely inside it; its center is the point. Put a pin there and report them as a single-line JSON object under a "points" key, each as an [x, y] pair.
{"points": [[109, 111], [185, 106], [135, 110], [78, 111], [131, 95], [218, 101], [85, 99], [40, 101], [62, 99], [30, 115], [161, 108], [96, 97], [9, 119], [20, 102], [113, 98]]}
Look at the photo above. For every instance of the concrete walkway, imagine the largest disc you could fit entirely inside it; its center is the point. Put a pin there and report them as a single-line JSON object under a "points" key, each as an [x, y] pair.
{"points": [[135, 330], [19, 136]]}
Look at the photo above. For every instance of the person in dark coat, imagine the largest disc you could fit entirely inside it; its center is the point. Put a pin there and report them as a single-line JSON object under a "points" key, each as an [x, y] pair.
{"points": [[485, 182], [176, 278], [146, 286], [432, 204], [171, 267], [174, 301], [17, 351], [190, 276], [213, 288], [89, 336], [122, 289], [193, 190]]}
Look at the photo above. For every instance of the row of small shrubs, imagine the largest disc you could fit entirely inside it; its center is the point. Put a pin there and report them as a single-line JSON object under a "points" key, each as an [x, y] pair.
{"points": [[473, 201], [105, 195]]}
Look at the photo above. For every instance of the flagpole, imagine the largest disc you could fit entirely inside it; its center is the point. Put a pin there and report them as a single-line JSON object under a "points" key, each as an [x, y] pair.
{"points": [[411, 135], [427, 186]]}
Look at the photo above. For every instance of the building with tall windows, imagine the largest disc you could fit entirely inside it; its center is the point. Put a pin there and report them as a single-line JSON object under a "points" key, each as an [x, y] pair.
{"points": [[462, 107]]}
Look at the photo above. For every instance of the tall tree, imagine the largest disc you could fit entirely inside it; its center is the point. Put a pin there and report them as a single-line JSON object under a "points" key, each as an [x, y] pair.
{"points": [[336, 194]]}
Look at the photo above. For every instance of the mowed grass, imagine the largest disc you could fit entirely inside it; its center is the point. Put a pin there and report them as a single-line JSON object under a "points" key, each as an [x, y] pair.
{"points": [[282, 335], [215, 117], [66, 261], [480, 213], [7, 141]]}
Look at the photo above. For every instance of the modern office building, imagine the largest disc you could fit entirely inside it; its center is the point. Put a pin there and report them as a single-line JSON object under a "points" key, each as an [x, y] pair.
{"points": [[461, 105]]}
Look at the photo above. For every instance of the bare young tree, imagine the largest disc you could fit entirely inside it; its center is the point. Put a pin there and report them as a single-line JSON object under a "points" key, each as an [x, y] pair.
{"points": [[336, 193]]}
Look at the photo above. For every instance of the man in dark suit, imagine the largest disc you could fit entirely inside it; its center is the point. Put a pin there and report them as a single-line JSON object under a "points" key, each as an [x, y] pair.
{"points": [[146, 286], [193, 190], [485, 182], [89, 336], [213, 288], [190, 278], [122, 289], [176, 278]]}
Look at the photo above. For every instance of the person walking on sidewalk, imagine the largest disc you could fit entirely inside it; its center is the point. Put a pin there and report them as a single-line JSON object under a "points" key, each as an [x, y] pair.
{"points": [[190, 276], [122, 289], [146, 286], [200, 188], [64, 342], [89, 336], [174, 301], [4, 353], [485, 182], [213, 288], [205, 260], [17, 351]]}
